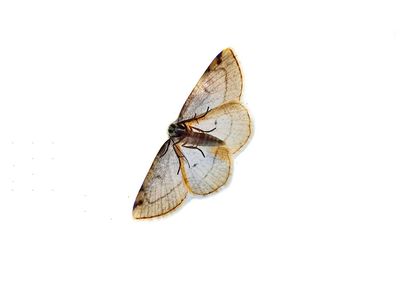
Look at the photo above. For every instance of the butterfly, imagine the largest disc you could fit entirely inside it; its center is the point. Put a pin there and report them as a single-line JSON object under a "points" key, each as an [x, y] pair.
{"points": [[197, 158]]}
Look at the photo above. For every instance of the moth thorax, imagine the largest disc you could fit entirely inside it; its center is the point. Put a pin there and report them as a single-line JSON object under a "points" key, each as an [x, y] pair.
{"points": [[176, 130]]}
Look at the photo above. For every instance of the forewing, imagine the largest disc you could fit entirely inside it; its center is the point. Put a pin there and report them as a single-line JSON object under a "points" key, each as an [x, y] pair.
{"points": [[163, 189], [206, 174], [221, 82], [229, 122]]}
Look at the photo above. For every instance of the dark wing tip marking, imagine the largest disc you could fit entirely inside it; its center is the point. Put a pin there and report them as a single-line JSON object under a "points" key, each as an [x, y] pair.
{"points": [[219, 57], [170, 211], [137, 203], [139, 199]]}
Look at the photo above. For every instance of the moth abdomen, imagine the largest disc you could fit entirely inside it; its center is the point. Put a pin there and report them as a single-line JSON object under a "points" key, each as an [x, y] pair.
{"points": [[202, 139]]}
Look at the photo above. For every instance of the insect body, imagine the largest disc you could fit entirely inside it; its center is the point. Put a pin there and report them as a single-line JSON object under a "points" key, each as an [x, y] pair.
{"points": [[192, 135], [212, 126]]}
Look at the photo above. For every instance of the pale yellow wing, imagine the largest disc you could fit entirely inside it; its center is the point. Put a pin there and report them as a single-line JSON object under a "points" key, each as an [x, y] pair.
{"points": [[207, 170], [163, 188], [229, 122], [221, 82]]}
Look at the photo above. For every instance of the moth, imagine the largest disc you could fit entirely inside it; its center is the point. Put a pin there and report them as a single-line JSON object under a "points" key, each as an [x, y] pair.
{"points": [[197, 158]]}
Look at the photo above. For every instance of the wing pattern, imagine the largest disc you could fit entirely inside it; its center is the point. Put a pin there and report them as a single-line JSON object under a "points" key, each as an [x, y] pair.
{"points": [[206, 174], [221, 82], [231, 123], [211, 127], [163, 189]]}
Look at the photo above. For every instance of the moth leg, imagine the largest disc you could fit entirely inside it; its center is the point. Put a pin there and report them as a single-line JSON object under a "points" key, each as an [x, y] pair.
{"points": [[203, 131], [197, 119], [194, 117], [166, 149], [194, 147], [180, 155], [205, 114]]}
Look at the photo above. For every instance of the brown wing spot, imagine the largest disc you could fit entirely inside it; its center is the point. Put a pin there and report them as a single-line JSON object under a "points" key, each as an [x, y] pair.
{"points": [[219, 58], [139, 199], [137, 203]]}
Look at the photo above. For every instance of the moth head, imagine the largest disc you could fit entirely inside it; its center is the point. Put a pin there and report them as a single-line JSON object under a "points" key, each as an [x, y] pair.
{"points": [[176, 130]]}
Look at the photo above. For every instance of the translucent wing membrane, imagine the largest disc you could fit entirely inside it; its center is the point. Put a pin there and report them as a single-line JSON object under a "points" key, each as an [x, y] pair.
{"points": [[163, 189], [229, 122], [221, 82], [206, 170], [211, 126]]}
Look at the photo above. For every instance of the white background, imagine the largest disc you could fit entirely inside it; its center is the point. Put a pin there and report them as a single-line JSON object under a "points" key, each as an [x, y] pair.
{"points": [[88, 89]]}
